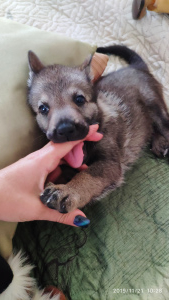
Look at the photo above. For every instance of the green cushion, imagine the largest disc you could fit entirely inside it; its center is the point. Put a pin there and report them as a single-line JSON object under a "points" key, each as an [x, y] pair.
{"points": [[124, 251]]}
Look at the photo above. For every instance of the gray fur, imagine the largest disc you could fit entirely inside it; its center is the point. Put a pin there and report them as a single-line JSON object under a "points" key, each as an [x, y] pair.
{"points": [[129, 107]]}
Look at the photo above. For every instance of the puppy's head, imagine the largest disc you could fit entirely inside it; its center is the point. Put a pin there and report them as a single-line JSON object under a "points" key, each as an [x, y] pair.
{"points": [[62, 98]]}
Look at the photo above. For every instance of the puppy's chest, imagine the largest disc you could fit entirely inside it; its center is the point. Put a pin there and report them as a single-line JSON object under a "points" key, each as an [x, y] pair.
{"points": [[117, 117], [112, 107]]}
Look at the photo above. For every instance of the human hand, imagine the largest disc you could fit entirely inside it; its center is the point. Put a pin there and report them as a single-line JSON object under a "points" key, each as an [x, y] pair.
{"points": [[23, 182]]}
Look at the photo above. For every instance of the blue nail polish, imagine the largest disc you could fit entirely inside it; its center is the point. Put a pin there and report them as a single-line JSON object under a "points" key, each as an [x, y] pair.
{"points": [[81, 221]]}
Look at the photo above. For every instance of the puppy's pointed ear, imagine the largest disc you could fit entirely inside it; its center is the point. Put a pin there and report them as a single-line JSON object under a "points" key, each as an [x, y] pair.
{"points": [[34, 62], [86, 66], [35, 66]]}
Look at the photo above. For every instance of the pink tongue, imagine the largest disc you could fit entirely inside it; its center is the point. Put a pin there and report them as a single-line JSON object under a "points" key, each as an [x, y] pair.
{"points": [[75, 157]]}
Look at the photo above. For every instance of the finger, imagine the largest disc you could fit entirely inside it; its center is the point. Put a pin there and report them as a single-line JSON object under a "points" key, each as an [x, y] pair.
{"points": [[62, 162], [52, 153], [95, 137], [92, 129], [54, 216], [54, 175], [83, 167]]}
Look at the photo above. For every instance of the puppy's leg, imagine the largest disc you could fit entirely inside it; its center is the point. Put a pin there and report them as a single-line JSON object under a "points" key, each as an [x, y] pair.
{"points": [[84, 187]]}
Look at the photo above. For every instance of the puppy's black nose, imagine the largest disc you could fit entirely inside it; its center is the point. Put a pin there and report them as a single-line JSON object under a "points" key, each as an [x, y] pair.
{"points": [[66, 129]]}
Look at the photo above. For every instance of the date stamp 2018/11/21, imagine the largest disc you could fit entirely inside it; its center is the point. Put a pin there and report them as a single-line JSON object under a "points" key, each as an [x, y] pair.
{"points": [[138, 291]]}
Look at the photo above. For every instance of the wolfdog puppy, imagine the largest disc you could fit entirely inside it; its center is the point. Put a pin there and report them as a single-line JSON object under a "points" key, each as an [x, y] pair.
{"points": [[128, 105]]}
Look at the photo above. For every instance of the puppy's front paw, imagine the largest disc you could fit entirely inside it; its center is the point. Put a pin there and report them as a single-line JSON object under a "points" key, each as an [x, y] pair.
{"points": [[60, 197]]}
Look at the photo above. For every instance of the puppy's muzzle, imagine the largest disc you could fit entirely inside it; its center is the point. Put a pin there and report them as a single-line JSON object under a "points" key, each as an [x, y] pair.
{"points": [[68, 131]]}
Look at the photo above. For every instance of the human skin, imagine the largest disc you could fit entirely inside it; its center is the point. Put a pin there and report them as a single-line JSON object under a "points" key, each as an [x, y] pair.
{"points": [[22, 182]]}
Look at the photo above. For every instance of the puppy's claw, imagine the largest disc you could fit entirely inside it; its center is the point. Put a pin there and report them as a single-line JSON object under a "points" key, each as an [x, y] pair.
{"points": [[49, 198], [165, 152], [63, 209], [45, 193]]}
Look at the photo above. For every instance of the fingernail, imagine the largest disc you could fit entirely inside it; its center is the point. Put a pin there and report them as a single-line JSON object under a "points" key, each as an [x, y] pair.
{"points": [[81, 221]]}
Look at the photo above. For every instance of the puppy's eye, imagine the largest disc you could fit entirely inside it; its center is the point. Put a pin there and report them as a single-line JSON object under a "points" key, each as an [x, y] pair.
{"points": [[44, 109], [79, 100]]}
